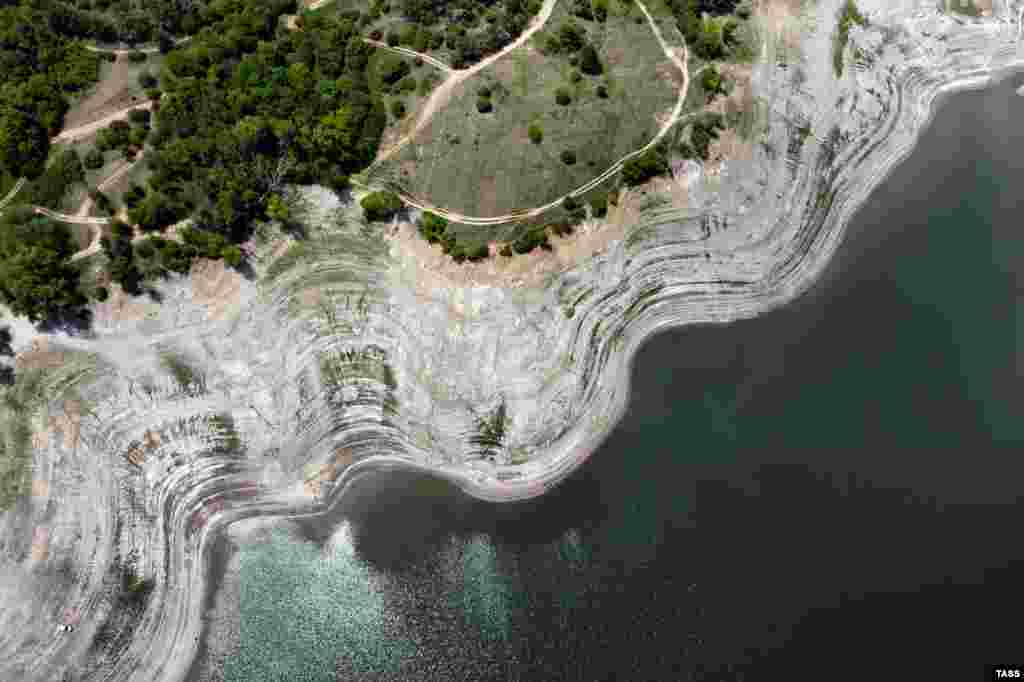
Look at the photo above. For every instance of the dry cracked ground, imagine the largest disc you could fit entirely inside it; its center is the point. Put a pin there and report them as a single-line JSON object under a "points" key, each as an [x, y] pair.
{"points": [[235, 396]]}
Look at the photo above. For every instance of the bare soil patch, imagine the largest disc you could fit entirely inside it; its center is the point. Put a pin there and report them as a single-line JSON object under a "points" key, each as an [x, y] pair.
{"points": [[39, 357], [489, 195], [215, 286], [110, 94]]}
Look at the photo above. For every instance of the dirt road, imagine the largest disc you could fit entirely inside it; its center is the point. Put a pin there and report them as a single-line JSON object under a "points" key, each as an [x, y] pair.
{"points": [[85, 130]]}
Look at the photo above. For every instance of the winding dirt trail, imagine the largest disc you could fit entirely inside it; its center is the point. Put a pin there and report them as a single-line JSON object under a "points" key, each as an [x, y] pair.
{"points": [[87, 129], [675, 117], [433, 61], [128, 50]]}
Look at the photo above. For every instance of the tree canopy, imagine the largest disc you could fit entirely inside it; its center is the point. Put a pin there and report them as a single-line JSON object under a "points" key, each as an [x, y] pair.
{"points": [[36, 278]]}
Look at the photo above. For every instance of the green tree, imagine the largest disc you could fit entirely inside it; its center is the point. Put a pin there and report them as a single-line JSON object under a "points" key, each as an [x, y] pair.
{"points": [[36, 279], [536, 133], [380, 205], [24, 142], [645, 166], [563, 97], [571, 36], [589, 62], [568, 157]]}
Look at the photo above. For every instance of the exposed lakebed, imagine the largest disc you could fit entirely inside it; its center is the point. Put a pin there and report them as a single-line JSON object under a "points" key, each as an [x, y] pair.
{"points": [[836, 479]]}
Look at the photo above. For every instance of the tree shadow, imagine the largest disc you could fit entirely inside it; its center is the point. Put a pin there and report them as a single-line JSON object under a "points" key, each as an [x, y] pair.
{"points": [[71, 321]]}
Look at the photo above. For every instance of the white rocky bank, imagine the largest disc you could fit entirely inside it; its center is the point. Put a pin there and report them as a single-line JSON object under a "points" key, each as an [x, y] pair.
{"points": [[351, 359]]}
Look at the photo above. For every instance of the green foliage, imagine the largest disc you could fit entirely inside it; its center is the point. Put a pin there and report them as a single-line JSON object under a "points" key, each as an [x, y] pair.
{"points": [[531, 239], [704, 131], [94, 159], [589, 62], [563, 97], [36, 279], [24, 142], [536, 133], [49, 188], [645, 166], [711, 82], [599, 205], [432, 227], [380, 205], [568, 157], [483, 105], [392, 68], [119, 252], [848, 16], [232, 255], [398, 108], [571, 36]]}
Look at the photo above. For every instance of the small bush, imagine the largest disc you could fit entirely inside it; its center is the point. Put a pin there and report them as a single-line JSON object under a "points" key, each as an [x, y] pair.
{"points": [[563, 97], [575, 76], [232, 255], [483, 105], [137, 57], [147, 80], [506, 251], [398, 108], [589, 62], [101, 294], [570, 203], [568, 157], [393, 39], [602, 91], [139, 116], [536, 133], [94, 159], [483, 91], [380, 205]]}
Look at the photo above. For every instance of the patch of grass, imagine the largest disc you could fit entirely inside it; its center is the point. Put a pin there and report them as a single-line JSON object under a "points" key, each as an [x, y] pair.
{"points": [[188, 378], [494, 169], [223, 426], [964, 7], [848, 16], [338, 368], [490, 435]]}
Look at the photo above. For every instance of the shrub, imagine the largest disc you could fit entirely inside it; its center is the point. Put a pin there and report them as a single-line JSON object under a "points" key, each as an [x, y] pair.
{"points": [[139, 116], [147, 80], [101, 294], [432, 227], [570, 203], [398, 108], [575, 76], [380, 205], [599, 206], [563, 97], [232, 255], [536, 133], [643, 167], [407, 84], [393, 39], [94, 159], [478, 252], [530, 240], [571, 36], [483, 91], [602, 91], [136, 57], [589, 62], [506, 251], [711, 81], [483, 105], [568, 157], [154, 94], [392, 68]]}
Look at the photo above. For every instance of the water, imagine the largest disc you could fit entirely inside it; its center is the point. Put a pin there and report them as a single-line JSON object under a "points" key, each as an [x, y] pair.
{"points": [[830, 491]]}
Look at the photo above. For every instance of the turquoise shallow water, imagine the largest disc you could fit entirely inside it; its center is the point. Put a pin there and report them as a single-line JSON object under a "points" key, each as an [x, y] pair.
{"points": [[836, 481]]}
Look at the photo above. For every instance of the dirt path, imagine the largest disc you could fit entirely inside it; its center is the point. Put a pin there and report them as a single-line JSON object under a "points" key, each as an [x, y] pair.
{"points": [[671, 53], [85, 130], [14, 190], [128, 50], [433, 61], [439, 97]]}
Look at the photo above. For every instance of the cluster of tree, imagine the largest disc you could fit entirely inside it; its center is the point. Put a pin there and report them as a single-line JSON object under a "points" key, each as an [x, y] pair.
{"points": [[590, 10], [247, 108], [701, 23], [703, 132], [529, 240], [471, 29], [380, 205], [36, 278], [48, 190], [41, 63], [712, 82], [645, 166], [136, 21], [434, 229]]}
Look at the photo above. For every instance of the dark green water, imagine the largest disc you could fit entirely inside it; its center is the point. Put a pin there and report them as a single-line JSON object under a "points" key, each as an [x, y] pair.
{"points": [[830, 491]]}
